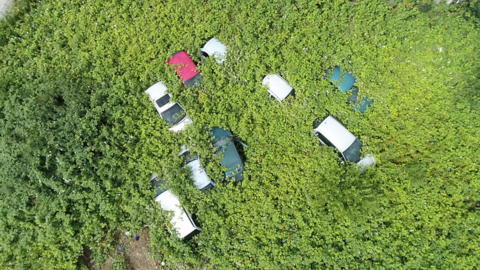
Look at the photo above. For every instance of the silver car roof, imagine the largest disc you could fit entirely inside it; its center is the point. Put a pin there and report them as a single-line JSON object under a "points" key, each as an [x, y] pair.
{"points": [[156, 91], [181, 221], [200, 177], [336, 133], [277, 86], [216, 49]]}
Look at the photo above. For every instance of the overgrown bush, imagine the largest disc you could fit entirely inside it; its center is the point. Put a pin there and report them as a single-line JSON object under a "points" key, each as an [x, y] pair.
{"points": [[79, 138]]}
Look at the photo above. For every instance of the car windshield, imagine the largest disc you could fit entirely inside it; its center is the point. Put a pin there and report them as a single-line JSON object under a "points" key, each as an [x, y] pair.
{"points": [[317, 122], [194, 81], [222, 142], [292, 95], [174, 114], [190, 157], [160, 186], [354, 95], [219, 133], [353, 152]]}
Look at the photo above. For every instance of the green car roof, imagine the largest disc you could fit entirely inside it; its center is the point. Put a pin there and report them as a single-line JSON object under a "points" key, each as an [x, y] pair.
{"points": [[231, 159]]}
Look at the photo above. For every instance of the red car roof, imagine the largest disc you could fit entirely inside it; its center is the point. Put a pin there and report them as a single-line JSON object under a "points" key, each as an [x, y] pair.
{"points": [[184, 65]]}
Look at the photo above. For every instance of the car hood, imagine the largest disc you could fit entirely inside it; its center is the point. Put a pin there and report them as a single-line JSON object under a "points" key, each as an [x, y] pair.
{"points": [[181, 125]]}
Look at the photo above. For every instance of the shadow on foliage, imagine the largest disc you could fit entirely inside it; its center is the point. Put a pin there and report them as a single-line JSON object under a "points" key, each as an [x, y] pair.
{"points": [[470, 93]]}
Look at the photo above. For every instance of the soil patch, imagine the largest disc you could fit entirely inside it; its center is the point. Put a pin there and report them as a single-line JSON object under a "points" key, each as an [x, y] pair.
{"points": [[133, 252], [108, 264], [136, 252]]}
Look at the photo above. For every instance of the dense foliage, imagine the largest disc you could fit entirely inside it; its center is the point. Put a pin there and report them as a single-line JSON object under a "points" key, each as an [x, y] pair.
{"points": [[79, 138]]}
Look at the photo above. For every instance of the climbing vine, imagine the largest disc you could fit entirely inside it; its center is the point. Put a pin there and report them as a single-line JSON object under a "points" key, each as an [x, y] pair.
{"points": [[79, 138]]}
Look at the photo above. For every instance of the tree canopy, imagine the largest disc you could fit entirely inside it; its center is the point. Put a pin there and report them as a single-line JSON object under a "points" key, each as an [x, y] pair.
{"points": [[79, 138]]}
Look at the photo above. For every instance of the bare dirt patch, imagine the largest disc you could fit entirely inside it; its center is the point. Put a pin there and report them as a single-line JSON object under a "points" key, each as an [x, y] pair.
{"points": [[108, 264], [136, 252]]}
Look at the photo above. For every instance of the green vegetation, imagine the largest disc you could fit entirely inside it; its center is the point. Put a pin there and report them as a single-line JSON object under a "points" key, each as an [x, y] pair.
{"points": [[79, 138]]}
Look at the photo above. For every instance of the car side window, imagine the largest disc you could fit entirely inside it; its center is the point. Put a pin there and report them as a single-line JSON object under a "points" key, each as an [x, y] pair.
{"points": [[291, 96], [324, 139]]}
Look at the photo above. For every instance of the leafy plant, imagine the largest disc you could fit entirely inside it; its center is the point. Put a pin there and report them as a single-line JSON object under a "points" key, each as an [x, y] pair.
{"points": [[79, 138]]}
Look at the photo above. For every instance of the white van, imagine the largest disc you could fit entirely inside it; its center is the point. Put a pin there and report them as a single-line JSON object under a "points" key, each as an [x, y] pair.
{"points": [[332, 133], [278, 87], [181, 220], [216, 49]]}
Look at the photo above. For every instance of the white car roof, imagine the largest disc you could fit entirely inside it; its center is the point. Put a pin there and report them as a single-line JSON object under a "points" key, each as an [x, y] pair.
{"points": [[181, 221], [200, 177], [277, 86], [157, 91], [336, 133], [216, 49]]}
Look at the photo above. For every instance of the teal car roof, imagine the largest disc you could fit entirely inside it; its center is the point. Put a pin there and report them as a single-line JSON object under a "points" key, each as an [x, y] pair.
{"points": [[231, 160], [335, 77], [363, 104]]}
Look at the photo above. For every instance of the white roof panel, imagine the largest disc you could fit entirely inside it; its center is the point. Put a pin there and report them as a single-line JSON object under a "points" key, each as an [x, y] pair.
{"points": [[277, 86], [336, 133], [200, 177], [216, 49], [156, 91], [180, 219]]}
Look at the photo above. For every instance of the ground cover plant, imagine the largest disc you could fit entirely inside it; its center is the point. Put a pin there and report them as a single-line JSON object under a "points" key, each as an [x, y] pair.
{"points": [[79, 138]]}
